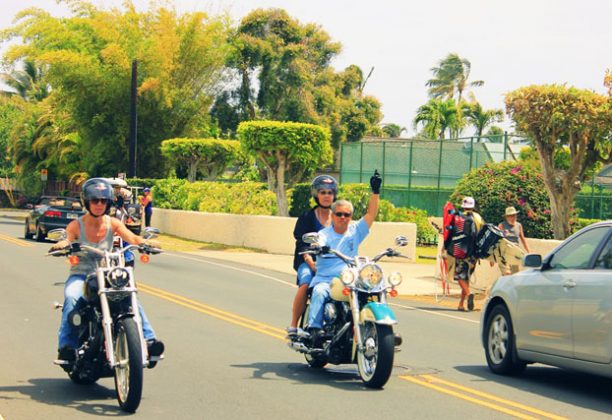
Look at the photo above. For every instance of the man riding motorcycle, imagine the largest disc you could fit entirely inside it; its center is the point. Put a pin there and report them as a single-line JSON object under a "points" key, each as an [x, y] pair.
{"points": [[324, 189], [345, 236], [95, 229]]}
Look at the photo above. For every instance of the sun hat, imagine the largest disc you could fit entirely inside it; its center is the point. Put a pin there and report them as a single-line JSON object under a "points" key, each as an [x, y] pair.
{"points": [[468, 203], [510, 211]]}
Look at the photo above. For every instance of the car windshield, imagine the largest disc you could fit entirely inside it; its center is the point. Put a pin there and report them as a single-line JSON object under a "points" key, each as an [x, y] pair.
{"points": [[64, 202]]}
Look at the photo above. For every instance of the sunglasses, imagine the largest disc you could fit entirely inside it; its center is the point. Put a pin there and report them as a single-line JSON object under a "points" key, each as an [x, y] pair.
{"points": [[326, 192], [341, 214], [99, 200]]}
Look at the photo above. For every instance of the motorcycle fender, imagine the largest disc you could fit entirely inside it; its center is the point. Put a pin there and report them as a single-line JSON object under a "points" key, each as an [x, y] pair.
{"points": [[379, 313]]}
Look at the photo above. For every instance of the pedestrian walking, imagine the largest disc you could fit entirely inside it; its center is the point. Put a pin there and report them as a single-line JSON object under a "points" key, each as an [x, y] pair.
{"points": [[146, 201]]}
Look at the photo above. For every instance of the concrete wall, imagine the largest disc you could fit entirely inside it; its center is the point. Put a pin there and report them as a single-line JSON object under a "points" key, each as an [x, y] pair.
{"points": [[270, 233], [485, 275]]}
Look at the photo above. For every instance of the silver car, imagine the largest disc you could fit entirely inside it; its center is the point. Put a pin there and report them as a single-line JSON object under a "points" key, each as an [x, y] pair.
{"points": [[558, 311]]}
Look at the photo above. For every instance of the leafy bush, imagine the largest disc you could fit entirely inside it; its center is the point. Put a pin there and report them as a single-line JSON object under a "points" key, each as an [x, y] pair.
{"points": [[170, 193], [581, 223], [496, 186]]}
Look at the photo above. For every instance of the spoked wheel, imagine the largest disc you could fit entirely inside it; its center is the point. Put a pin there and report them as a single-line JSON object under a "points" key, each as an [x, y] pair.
{"points": [[500, 348], [375, 362], [27, 234], [128, 372]]}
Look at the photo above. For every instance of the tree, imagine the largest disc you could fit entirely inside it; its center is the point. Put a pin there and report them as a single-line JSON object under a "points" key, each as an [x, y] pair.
{"points": [[495, 134], [437, 116], [393, 130], [87, 60], [555, 116], [27, 82], [480, 118], [209, 156], [451, 76], [287, 150]]}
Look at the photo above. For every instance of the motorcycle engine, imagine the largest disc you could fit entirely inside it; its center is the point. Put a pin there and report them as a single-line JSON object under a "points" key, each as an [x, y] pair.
{"points": [[330, 314]]}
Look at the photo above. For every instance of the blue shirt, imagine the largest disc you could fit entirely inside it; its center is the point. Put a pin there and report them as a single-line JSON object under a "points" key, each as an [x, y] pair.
{"points": [[330, 266]]}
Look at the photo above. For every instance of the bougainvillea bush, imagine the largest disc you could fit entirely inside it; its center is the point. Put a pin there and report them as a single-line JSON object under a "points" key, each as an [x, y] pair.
{"points": [[496, 186]]}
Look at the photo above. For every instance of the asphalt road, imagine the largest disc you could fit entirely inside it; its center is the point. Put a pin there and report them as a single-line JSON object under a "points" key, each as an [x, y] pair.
{"points": [[226, 357]]}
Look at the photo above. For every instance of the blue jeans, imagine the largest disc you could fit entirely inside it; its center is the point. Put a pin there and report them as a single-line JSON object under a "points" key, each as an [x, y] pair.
{"points": [[73, 299], [320, 295], [304, 274]]}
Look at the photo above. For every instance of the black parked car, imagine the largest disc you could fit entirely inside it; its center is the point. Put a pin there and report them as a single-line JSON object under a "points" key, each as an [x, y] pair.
{"points": [[51, 212]]}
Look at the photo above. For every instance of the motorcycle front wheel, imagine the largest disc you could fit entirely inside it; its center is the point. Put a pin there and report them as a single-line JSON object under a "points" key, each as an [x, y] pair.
{"points": [[129, 371], [375, 362]]}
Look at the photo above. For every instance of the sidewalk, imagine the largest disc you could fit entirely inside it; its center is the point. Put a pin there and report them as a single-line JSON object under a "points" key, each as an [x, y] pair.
{"points": [[418, 278]]}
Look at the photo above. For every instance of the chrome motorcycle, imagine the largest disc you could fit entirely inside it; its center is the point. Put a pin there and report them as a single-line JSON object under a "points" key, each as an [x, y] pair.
{"points": [[111, 341], [357, 322]]}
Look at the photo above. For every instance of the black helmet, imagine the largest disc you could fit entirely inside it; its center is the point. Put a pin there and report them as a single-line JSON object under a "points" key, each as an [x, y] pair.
{"points": [[98, 188], [323, 182]]}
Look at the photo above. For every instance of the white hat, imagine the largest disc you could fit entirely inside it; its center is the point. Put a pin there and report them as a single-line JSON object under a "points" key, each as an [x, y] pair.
{"points": [[468, 203], [510, 211]]}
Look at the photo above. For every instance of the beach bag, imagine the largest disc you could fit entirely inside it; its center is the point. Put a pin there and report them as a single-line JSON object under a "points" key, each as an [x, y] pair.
{"points": [[463, 240], [488, 236]]}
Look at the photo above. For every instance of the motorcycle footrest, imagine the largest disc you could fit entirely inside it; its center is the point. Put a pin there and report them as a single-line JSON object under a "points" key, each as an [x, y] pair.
{"points": [[61, 362], [156, 358]]}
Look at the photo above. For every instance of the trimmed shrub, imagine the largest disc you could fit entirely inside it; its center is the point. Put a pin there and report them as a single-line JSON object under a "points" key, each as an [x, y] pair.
{"points": [[496, 186], [170, 193]]}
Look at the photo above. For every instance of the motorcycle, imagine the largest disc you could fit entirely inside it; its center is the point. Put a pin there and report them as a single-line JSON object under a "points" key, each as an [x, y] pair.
{"points": [[357, 322], [111, 341]]}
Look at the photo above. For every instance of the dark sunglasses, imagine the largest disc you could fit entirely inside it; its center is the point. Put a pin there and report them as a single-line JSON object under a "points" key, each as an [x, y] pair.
{"points": [[341, 214], [99, 200], [325, 192]]}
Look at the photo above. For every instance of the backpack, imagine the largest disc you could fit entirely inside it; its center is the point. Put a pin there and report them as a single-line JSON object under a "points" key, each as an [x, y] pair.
{"points": [[486, 239], [462, 243]]}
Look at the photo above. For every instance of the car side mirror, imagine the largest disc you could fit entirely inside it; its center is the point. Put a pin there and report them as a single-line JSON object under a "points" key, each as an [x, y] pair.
{"points": [[533, 260], [401, 241], [57, 234], [310, 238]]}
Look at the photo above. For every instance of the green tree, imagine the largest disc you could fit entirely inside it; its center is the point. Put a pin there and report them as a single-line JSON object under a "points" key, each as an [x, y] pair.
{"points": [[287, 150], [27, 82], [393, 130], [481, 118], [555, 117], [451, 77], [437, 116], [495, 134], [88, 56], [208, 156]]}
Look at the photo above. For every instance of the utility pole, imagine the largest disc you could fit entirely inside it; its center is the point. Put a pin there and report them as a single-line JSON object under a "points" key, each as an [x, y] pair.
{"points": [[133, 120]]}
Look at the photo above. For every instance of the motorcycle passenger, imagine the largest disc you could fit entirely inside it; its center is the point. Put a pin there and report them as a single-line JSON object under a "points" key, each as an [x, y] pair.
{"points": [[323, 189], [96, 228], [345, 236]]}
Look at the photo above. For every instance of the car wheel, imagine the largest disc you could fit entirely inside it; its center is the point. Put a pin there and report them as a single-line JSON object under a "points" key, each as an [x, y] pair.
{"points": [[500, 345], [27, 233], [40, 236]]}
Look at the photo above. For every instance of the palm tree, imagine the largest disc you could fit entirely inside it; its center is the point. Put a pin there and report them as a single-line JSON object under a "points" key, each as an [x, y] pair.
{"points": [[393, 130], [481, 118], [27, 83], [451, 76], [437, 116]]}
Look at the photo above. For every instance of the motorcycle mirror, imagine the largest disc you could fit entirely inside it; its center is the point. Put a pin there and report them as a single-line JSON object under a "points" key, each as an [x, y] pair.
{"points": [[150, 233], [57, 234], [401, 241], [310, 238]]}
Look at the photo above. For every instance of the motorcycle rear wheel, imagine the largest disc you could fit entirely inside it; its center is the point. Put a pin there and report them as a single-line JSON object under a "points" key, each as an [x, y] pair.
{"points": [[375, 363], [129, 370]]}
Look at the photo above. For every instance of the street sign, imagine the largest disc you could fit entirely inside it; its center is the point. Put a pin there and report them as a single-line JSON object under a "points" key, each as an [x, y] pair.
{"points": [[43, 174]]}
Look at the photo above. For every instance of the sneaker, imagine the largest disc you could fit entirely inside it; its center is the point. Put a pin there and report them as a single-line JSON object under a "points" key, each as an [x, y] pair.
{"points": [[155, 348], [470, 302]]}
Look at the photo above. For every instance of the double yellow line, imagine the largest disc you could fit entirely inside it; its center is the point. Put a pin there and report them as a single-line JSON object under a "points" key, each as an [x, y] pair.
{"points": [[15, 241], [214, 312], [484, 399], [474, 396]]}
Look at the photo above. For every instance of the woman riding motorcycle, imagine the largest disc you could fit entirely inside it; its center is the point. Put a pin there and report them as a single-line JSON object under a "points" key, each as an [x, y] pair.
{"points": [[324, 189], [95, 229]]}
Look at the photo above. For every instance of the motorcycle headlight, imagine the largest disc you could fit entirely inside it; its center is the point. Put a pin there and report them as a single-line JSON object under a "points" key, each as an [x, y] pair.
{"points": [[371, 275], [395, 279], [118, 277], [347, 277]]}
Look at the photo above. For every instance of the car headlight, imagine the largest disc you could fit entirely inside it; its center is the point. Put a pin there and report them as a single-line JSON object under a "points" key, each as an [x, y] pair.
{"points": [[118, 277], [347, 277], [395, 278], [371, 275]]}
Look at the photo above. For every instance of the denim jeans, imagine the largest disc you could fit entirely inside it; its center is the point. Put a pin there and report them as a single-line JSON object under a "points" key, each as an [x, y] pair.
{"points": [[320, 295], [73, 299], [304, 274]]}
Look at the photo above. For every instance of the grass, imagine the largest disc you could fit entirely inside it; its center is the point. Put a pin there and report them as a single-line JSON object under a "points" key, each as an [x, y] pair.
{"points": [[174, 243], [426, 254]]}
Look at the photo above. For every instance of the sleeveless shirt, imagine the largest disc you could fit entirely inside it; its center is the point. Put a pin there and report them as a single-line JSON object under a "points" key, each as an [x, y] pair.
{"points": [[87, 260]]}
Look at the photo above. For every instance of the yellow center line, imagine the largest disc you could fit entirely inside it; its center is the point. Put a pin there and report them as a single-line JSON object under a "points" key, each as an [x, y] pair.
{"points": [[15, 241], [429, 381], [533, 410], [214, 312]]}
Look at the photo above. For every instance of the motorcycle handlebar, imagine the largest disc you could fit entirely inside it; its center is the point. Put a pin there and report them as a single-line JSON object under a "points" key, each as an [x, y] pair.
{"points": [[143, 248]]}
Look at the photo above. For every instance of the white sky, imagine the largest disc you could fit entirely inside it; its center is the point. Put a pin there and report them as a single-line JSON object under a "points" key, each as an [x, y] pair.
{"points": [[509, 43]]}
